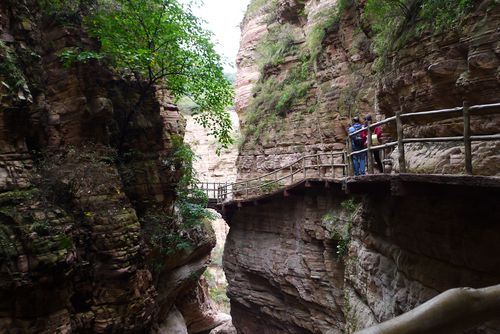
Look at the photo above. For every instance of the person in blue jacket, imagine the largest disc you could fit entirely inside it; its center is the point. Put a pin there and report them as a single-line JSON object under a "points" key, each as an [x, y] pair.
{"points": [[358, 143]]}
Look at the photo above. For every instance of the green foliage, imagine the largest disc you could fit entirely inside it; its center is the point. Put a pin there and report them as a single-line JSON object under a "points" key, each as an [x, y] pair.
{"points": [[70, 56], [339, 225], [42, 228], [274, 98], [394, 22], [163, 233], [294, 87], [219, 296], [270, 186], [186, 105], [165, 43], [12, 80], [276, 45], [323, 21], [66, 12], [349, 205], [191, 200], [217, 292], [18, 196], [255, 5]]}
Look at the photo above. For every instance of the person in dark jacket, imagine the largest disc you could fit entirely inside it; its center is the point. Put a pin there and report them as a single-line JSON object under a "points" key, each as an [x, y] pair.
{"points": [[357, 142]]}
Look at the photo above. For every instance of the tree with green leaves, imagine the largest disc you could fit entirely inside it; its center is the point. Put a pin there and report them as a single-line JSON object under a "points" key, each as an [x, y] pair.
{"points": [[163, 46]]}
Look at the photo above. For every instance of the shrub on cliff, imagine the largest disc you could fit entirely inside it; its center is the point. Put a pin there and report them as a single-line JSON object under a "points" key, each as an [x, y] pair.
{"points": [[394, 22]]}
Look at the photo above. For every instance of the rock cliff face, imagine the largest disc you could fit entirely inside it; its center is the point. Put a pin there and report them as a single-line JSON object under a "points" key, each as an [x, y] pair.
{"points": [[76, 223], [209, 166], [333, 83], [283, 271], [465, 65], [306, 67], [317, 262]]}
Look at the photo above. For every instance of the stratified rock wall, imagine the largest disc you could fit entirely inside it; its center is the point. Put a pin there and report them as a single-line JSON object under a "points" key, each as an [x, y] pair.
{"points": [[341, 83], [443, 71], [75, 221], [332, 41], [286, 274], [405, 250], [282, 267]]}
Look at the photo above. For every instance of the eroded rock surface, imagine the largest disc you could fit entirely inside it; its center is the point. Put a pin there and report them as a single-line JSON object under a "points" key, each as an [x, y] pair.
{"points": [[281, 260], [288, 270], [82, 193], [283, 270], [430, 72]]}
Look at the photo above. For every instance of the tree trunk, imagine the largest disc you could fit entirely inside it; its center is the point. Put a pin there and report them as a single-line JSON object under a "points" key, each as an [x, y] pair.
{"points": [[452, 311]]}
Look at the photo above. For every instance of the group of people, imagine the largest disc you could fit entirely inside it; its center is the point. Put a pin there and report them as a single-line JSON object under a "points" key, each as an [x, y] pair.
{"points": [[359, 141]]}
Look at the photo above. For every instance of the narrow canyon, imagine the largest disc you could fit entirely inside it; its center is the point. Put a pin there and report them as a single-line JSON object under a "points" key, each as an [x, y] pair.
{"points": [[126, 208]]}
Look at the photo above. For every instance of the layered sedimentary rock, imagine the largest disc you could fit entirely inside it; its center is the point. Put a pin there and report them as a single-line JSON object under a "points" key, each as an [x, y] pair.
{"points": [[406, 250], [77, 188], [344, 82], [286, 267], [283, 270], [444, 71], [338, 71], [210, 166], [315, 262]]}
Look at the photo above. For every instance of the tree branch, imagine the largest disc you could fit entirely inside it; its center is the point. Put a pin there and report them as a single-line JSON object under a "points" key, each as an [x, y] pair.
{"points": [[452, 311]]}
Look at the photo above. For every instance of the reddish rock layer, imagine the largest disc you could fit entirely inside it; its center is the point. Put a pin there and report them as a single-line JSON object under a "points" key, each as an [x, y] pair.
{"points": [[75, 255]]}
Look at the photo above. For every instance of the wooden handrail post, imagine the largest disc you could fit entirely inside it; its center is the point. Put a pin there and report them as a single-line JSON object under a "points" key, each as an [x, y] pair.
{"points": [[345, 168], [304, 166], [369, 152], [291, 174], [247, 186], [467, 141], [318, 163], [350, 166], [333, 167], [401, 145]]}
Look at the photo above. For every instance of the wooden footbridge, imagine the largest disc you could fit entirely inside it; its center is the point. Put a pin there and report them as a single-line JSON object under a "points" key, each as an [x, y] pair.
{"points": [[334, 168]]}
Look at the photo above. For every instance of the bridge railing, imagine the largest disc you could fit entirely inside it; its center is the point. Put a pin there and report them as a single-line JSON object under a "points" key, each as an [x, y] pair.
{"points": [[329, 165], [336, 164], [465, 111], [211, 188]]}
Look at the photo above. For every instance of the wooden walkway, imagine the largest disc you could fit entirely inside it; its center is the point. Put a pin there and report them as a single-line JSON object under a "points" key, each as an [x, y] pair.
{"points": [[335, 168]]}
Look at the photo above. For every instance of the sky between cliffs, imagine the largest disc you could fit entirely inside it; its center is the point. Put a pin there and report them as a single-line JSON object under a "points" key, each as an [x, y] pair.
{"points": [[223, 18]]}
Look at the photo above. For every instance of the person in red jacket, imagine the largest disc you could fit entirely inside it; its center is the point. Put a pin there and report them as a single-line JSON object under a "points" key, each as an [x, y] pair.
{"points": [[376, 140]]}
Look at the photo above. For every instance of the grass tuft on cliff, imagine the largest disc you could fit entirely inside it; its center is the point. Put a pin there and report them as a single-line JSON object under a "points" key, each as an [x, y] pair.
{"points": [[323, 21], [255, 5], [394, 23]]}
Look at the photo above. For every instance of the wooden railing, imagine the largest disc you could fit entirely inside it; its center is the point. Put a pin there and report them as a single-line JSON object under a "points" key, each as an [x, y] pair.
{"points": [[400, 118], [211, 188], [331, 165], [327, 165]]}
